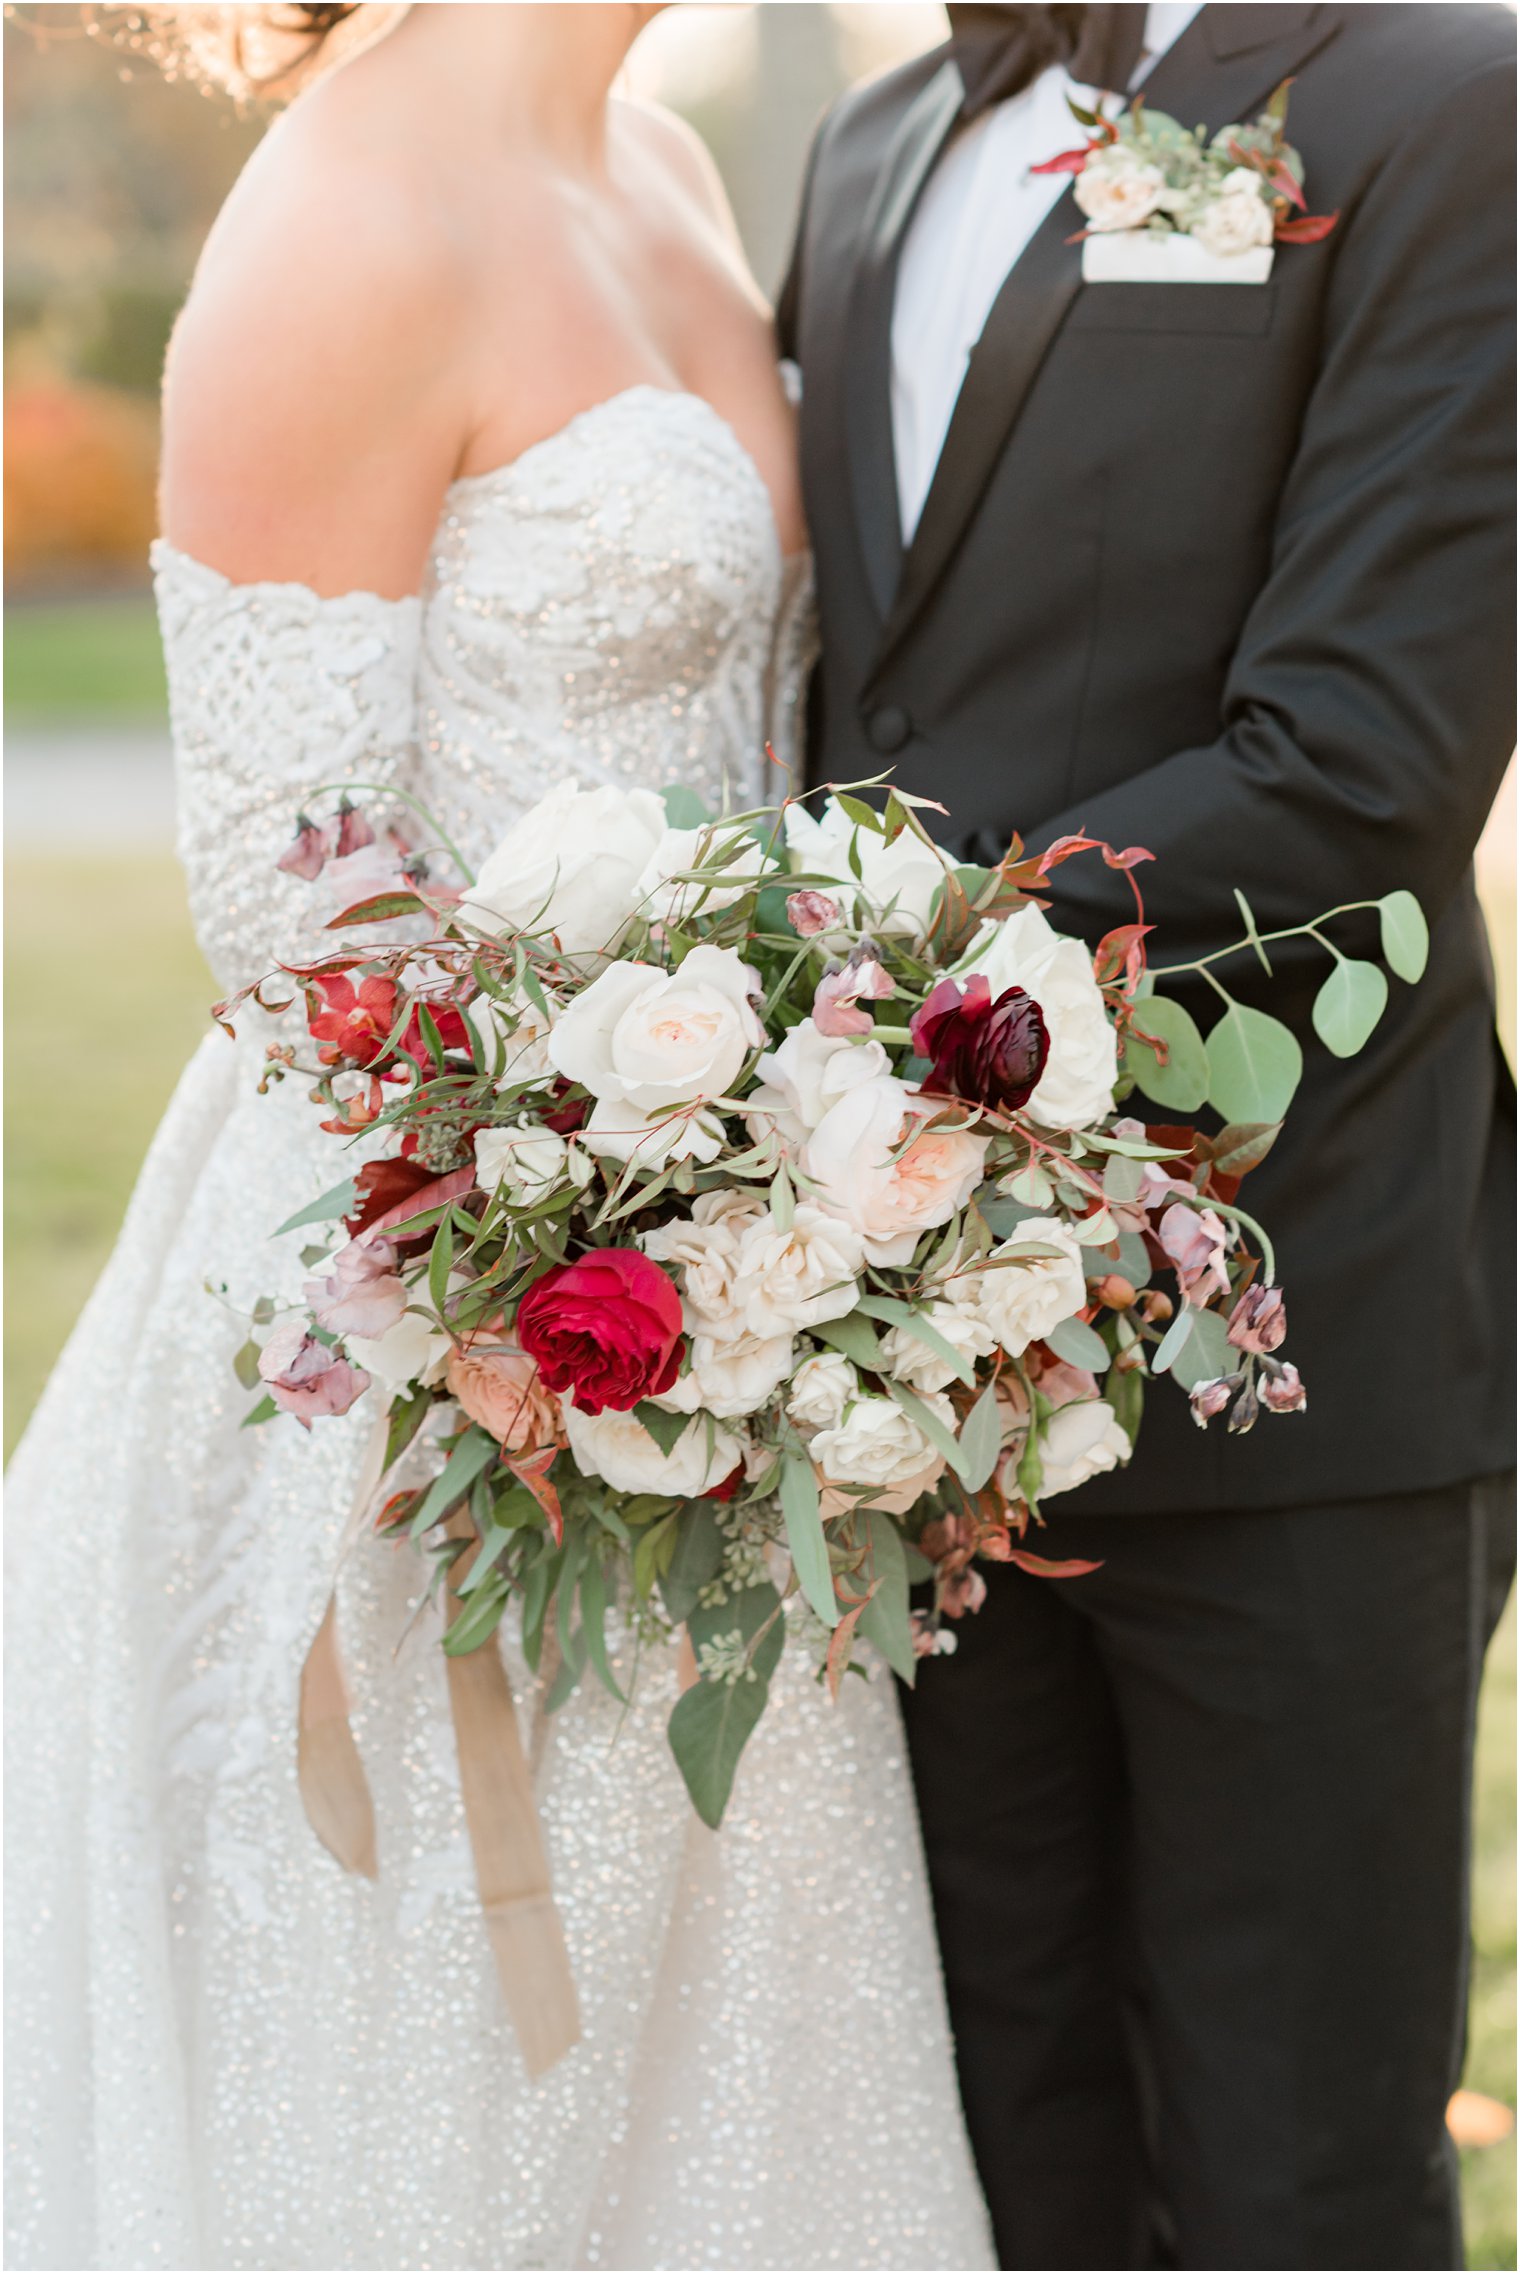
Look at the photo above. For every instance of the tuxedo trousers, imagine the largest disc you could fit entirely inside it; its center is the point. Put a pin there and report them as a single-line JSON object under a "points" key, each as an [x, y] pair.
{"points": [[1198, 1829]]}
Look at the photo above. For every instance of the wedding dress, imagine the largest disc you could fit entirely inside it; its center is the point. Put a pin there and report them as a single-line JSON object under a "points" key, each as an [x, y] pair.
{"points": [[224, 2052]]}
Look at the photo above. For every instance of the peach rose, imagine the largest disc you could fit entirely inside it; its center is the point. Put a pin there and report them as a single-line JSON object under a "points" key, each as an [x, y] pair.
{"points": [[890, 1193], [498, 1386]]}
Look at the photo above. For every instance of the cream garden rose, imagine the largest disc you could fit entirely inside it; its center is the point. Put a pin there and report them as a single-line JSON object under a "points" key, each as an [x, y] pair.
{"points": [[1076, 1089], [1118, 189], [821, 1389], [730, 1376], [912, 1361], [1080, 1441], [877, 1161], [876, 1443], [804, 1076], [894, 891], [619, 1449], [1020, 1302], [570, 866], [1238, 219], [647, 1043]]}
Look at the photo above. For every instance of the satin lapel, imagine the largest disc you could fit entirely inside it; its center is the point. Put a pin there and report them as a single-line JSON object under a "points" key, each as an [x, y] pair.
{"points": [[1226, 64], [919, 138]]}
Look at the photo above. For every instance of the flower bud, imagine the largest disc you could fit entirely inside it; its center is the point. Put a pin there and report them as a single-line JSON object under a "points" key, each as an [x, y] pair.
{"points": [[1283, 1391]]}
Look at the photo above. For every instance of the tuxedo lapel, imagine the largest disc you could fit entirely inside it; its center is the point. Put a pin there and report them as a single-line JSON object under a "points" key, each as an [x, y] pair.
{"points": [[917, 142], [1223, 67]]}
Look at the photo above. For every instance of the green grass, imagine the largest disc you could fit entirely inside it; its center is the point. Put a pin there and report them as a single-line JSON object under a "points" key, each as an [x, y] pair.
{"points": [[83, 659], [106, 996]]}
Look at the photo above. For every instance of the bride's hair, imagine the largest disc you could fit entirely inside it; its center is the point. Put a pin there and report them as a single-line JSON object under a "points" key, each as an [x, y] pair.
{"points": [[251, 52]]}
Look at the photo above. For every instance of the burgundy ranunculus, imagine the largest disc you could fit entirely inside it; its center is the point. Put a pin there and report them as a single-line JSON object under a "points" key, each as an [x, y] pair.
{"points": [[605, 1330], [988, 1053]]}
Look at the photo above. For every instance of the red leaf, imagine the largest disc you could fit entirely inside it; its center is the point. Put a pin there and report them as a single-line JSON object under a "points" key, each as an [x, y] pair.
{"points": [[1064, 162], [435, 1195], [1120, 950], [532, 1471], [1285, 185], [1130, 858], [1309, 231], [841, 1640], [1044, 1568]]}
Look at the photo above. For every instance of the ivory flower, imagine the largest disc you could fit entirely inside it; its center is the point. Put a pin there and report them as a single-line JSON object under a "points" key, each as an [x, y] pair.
{"points": [[648, 1041], [869, 1168], [875, 1442], [1117, 189], [1021, 1302], [570, 866], [619, 1449], [804, 1076]]}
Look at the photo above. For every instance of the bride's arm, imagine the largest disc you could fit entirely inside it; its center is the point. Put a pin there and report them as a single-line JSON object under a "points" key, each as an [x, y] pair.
{"points": [[309, 435]]}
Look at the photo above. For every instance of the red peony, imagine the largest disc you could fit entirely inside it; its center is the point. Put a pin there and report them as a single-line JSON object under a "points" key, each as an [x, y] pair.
{"points": [[986, 1052], [605, 1330], [356, 1020]]}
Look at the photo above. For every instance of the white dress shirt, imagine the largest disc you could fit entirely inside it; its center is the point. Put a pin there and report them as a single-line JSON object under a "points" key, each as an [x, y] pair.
{"points": [[978, 211]]}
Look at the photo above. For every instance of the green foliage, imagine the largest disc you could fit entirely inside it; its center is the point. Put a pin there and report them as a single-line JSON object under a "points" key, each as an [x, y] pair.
{"points": [[1405, 935], [1182, 1083], [1349, 1005], [714, 1719], [1255, 1064], [804, 1536]]}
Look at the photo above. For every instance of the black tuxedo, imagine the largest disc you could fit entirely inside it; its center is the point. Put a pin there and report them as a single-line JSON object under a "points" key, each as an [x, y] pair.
{"points": [[1226, 571]]}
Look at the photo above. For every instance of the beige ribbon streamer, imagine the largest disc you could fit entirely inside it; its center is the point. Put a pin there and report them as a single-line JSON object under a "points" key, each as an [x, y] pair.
{"points": [[506, 1838]]}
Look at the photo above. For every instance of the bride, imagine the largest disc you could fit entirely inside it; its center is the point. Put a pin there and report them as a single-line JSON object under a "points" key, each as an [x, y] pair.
{"points": [[478, 477]]}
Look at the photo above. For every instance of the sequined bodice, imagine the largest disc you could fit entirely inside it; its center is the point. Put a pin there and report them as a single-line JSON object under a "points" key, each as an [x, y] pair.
{"points": [[614, 604]]}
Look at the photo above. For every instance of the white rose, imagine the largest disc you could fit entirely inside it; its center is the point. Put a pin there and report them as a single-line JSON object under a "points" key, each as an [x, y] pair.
{"points": [[570, 866], [652, 1040], [788, 1280], [1076, 1088], [529, 1162], [732, 1377], [706, 1246], [804, 1076], [1080, 1441], [890, 1196], [1020, 1303], [895, 889], [1117, 189], [685, 1133], [876, 1443], [731, 861], [410, 1351], [620, 1450], [821, 1389], [1238, 219], [910, 1360]]}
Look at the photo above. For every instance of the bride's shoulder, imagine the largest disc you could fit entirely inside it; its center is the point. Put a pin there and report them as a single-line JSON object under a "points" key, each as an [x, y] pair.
{"points": [[318, 342]]}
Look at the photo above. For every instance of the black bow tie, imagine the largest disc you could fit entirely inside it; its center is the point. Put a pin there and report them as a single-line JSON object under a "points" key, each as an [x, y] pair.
{"points": [[998, 51]]}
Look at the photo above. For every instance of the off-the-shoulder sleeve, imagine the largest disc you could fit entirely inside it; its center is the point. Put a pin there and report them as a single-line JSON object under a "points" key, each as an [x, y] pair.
{"points": [[274, 694]]}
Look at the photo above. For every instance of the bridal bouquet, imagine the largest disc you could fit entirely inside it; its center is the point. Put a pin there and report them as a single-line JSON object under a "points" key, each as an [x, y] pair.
{"points": [[758, 1215]]}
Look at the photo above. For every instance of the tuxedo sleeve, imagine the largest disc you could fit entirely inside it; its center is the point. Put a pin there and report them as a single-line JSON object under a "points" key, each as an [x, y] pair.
{"points": [[1368, 711], [789, 298]]}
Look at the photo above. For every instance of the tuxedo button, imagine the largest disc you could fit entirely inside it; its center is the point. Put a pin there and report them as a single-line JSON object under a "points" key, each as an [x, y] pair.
{"points": [[888, 728]]}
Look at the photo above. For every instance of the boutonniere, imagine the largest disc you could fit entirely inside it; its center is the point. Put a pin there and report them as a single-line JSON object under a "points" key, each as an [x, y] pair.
{"points": [[1235, 195]]}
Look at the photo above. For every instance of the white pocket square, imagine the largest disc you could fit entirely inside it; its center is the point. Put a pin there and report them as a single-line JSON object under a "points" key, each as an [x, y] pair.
{"points": [[1149, 256]]}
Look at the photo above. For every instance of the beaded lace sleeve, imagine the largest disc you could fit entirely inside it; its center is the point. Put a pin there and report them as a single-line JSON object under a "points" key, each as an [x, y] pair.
{"points": [[274, 693]]}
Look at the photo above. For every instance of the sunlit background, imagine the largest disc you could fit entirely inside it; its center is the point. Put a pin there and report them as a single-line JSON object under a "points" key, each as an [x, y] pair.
{"points": [[112, 177]]}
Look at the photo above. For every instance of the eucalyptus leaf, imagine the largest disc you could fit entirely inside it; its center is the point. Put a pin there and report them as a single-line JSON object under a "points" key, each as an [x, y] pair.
{"points": [[1080, 1345], [474, 1452], [1200, 1349], [1254, 1066], [683, 808], [1031, 1185], [1122, 1178], [1349, 1005], [594, 1624], [804, 1536], [478, 1618], [893, 1313], [942, 1439], [708, 1730], [246, 1365], [982, 1439], [338, 1202], [265, 1410], [695, 1562], [572, 1665], [884, 1621], [856, 1337], [1182, 1083], [1406, 936]]}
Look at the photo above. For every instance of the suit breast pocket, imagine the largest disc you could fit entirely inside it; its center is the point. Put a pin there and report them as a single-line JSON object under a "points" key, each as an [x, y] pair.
{"points": [[1220, 309]]}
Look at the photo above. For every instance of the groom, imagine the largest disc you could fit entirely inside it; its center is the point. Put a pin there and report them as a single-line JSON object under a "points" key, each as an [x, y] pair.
{"points": [[1226, 571]]}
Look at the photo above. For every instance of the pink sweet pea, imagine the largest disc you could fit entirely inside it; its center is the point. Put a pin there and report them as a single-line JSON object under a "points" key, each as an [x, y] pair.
{"points": [[1194, 1239], [1282, 1390], [306, 1378], [363, 1295], [838, 993], [810, 912], [1259, 1321]]}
